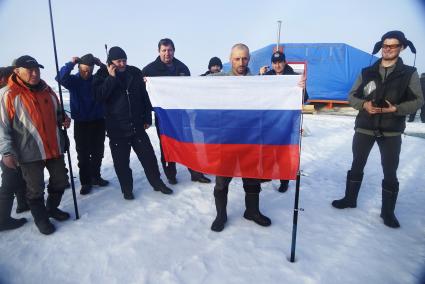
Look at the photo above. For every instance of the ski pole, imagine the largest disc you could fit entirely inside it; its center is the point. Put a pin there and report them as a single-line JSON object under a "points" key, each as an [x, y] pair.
{"points": [[63, 114]]}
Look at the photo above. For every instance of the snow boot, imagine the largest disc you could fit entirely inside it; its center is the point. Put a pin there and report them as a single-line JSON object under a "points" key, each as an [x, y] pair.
{"points": [[283, 185], [99, 181], [22, 201], [41, 218], [252, 211], [352, 188], [128, 193], [7, 222], [163, 188], [389, 199], [85, 189], [220, 197], [52, 203]]}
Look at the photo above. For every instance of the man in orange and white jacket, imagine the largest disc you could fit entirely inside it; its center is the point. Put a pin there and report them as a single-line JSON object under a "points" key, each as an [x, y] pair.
{"points": [[31, 137]]}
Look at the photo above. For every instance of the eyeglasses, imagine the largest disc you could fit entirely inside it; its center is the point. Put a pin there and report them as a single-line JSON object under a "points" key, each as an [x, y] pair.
{"points": [[390, 46]]}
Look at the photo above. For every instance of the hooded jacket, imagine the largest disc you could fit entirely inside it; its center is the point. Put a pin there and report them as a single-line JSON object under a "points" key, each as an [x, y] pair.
{"points": [[30, 122]]}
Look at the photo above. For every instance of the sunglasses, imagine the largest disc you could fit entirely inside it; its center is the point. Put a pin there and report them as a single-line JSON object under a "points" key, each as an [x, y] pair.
{"points": [[390, 46]]}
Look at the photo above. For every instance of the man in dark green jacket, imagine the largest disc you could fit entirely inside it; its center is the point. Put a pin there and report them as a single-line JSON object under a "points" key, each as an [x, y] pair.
{"points": [[384, 94]]}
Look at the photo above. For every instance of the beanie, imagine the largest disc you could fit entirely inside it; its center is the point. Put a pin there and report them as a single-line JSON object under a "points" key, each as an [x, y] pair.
{"points": [[215, 61], [116, 53], [87, 59]]}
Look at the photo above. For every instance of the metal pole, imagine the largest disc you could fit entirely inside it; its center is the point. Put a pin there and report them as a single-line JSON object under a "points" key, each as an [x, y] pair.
{"points": [[63, 114], [297, 194], [279, 23]]}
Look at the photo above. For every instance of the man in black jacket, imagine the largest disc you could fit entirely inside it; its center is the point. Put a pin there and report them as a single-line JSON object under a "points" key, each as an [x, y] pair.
{"points": [[128, 114], [384, 94], [214, 66], [280, 67], [11, 181], [167, 65]]}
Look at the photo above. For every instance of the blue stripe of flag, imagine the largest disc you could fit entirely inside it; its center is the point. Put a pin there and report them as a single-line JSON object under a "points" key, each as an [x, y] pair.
{"points": [[267, 127]]}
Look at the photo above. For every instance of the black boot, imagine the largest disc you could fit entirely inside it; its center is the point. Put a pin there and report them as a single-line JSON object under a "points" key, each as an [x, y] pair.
{"points": [[163, 188], [41, 218], [7, 222], [389, 199], [220, 197], [283, 185], [85, 189], [352, 187], [22, 201], [99, 181], [52, 203], [199, 177], [252, 211], [127, 193]]}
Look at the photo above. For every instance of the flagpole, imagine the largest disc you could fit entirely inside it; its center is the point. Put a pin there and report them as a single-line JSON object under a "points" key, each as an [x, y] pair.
{"points": [[63, 114], [297, 192]]}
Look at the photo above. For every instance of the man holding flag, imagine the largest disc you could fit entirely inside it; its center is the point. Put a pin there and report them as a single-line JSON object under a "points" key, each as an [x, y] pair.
{"points": [[239, 58], [231, 125]]}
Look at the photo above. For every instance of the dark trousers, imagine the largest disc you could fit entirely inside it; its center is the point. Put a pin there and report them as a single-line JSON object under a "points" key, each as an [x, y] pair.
{"points": [[120, 150], [90, 144], [170, 169], [389, 147], [33, 174], [11, 182], [412, 116], [250, 185]]}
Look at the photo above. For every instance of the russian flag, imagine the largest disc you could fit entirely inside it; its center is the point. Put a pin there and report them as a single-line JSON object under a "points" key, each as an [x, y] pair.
{"points": [[236, 126]]}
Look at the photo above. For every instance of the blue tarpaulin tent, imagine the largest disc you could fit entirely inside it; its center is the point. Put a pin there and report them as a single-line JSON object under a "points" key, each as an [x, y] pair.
{"points": [[332, 68]]}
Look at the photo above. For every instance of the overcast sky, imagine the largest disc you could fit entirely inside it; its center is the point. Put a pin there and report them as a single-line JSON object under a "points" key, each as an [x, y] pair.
{"points": [[199, 29]]}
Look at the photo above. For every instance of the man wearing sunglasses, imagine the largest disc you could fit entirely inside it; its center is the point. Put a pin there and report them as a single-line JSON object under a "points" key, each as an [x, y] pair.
{"points": [[384, 94]]}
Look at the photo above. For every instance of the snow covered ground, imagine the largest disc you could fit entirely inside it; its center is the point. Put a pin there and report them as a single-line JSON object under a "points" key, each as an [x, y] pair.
{"points": [[167, 239]]}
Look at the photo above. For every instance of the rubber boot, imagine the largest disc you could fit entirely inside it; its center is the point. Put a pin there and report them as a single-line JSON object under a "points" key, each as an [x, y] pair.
{"points": [[52, 203], [352, 188], [220, 197], [389, 199], [7, 222], [21, 200], [252, 211], [284, 184], [41, 218]]}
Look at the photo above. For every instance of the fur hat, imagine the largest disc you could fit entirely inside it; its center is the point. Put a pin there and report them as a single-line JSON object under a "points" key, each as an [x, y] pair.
{"points": [[397, 35]]}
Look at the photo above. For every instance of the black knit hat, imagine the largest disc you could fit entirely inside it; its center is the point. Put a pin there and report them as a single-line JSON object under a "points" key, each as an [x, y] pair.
{"points": [[278, 57], [397, 35], [215, 61], [116, 53], [87, 59]]}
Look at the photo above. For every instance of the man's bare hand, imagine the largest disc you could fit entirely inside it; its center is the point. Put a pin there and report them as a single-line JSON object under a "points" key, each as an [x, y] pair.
{"points": [[301, 83], [112, 70], [66, 122], [264, 69], [75, 59], [10, 161]]}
